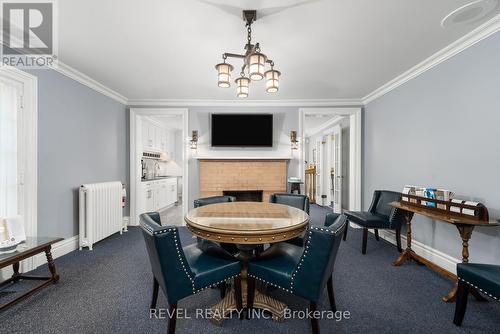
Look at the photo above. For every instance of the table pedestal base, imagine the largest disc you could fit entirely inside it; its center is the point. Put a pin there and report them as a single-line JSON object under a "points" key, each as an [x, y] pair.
{"points": [[225, 306]]}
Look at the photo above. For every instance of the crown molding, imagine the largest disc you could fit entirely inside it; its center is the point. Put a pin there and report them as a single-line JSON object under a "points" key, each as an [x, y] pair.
{"points": [[84, 79], [483, 31], [245, 103]]}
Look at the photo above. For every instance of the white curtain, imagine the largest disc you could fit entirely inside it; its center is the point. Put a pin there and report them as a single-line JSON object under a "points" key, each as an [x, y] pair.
{"points": [[9, 105]]}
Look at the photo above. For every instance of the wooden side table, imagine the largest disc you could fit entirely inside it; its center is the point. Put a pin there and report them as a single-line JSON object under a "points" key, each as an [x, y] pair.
{"points": [[31, 247], [464, 224]]}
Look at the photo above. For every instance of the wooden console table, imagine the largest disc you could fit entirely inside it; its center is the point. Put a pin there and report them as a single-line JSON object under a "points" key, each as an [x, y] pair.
{"points": [[464, 223], [31, 247]]}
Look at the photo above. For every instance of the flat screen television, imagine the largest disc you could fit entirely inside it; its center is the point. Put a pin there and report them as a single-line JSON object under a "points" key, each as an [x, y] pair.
{"points": [[242, 130]]}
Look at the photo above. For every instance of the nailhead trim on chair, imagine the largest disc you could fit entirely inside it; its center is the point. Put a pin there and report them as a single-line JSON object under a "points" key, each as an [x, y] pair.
{"points": [[269, 283], [216, 284], [304, 254], [180, 256], [152, 232], [485, 292]]}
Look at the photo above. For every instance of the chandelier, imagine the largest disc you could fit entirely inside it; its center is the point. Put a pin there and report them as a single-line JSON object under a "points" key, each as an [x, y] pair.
{"points": [[253, 68]]}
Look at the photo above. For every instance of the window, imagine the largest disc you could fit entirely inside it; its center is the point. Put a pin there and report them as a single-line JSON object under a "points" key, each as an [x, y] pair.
{"points": [[18, 150], [10, 97]]}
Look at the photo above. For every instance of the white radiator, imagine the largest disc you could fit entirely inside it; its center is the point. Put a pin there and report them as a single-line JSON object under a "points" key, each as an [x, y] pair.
{"points": [[100, 212]]}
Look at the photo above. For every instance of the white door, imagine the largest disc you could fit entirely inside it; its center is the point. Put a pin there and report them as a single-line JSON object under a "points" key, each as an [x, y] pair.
{"points": [[337, 168], [319, 169], [327, 171]]}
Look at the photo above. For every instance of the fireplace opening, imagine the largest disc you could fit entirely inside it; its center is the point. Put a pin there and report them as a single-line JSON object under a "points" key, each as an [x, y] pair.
{"points": [[245, 195]]}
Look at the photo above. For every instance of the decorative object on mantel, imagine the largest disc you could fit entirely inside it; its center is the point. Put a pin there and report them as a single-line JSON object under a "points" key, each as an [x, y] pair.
{"points": [[193, 143], [293, 140], [253, 64]]}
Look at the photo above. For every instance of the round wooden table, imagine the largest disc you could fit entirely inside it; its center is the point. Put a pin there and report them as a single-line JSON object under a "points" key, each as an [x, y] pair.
{"points": [[247, 225]]}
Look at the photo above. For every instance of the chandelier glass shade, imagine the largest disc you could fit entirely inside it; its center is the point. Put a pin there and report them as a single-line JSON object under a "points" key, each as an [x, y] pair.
{"points": [[224, 74], [272, 80], [242, 84], [256, 68], [254, 65]]}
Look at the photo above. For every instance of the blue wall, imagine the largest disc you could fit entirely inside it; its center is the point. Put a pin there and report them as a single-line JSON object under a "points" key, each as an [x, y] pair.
{"points": [[442, 129], [82, 138]]}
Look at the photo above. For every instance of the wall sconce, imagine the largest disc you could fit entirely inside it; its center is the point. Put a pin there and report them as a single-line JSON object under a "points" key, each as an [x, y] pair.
{"points": [[194, 140], [293, 140]]}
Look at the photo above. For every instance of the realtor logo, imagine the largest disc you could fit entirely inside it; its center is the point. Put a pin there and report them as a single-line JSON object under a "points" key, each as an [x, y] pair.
{"points": [[28, 33]]}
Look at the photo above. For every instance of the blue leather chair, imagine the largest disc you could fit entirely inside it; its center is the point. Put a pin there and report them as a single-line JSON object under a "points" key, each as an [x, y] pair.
{"points": [[297, 201], [213, 200], [380, 215], [231, 248], [181, 272], [303, 271], [484, 277]]}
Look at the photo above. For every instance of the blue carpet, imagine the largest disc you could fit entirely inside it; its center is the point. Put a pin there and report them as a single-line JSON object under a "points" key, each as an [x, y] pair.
{"points": [[108, 290]]}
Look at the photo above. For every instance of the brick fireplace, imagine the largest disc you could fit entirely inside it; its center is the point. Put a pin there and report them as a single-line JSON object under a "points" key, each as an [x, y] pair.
{"points": [[237, 175]]}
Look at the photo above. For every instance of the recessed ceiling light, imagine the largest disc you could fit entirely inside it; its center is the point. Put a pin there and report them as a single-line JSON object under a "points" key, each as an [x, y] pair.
{"points": [[469, 13]]}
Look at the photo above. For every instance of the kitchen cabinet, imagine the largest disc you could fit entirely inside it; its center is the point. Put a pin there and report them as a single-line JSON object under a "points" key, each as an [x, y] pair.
{"points": [[156, 138], [148, 198], [171, 192], [147, 140], [159, 194]]}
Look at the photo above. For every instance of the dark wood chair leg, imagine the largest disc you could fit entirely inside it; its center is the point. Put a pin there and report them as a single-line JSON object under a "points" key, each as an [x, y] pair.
{"points": [[398, 240], [237, 294], [154, 299], [172, 309], [250, 294], [345, 231], [377, 237], [314, 321], [365, 240], [331, 296], [223, 288], [461, 303], [258, 250]]}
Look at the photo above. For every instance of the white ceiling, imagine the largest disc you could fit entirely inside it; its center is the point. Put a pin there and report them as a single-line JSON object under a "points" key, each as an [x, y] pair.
{"points": [[326, 49]]}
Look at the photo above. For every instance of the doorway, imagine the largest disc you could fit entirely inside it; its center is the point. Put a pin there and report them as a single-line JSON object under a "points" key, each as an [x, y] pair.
{"points": [[158, 163], [331, 156]]}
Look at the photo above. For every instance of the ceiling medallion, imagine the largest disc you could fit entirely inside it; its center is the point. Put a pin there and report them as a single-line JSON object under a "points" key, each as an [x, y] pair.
{"points": [[253, 68]]}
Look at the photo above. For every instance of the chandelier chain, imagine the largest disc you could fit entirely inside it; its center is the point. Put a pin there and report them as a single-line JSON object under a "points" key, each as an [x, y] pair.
{"points": [[249, 37]]}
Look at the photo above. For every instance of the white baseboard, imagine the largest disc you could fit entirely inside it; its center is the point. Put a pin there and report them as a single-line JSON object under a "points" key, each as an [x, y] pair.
{"points": [[441, 259], [58, 249]]}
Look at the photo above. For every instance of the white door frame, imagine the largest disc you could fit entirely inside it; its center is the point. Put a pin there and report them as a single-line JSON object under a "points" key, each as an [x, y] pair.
{"points": [[135, 161], [355, 143], [28, 147]]}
